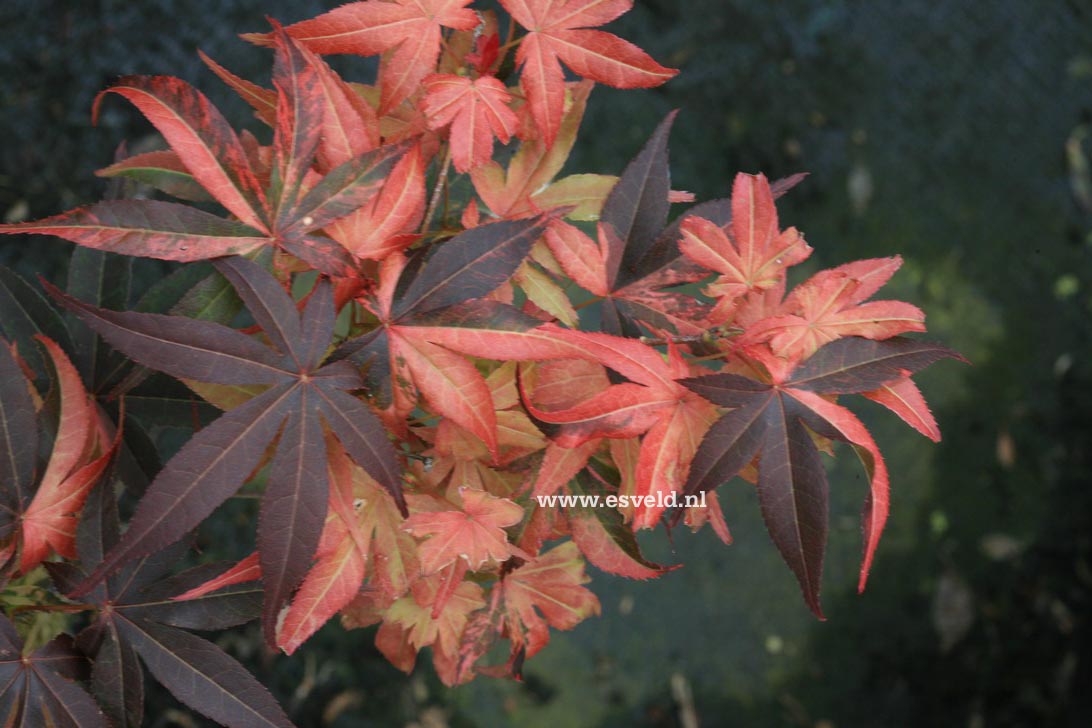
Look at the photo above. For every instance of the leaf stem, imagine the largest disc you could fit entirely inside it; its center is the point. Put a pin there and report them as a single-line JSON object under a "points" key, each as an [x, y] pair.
{"points": [[587, 303], [509, 41], [706, 337], [441, 181], [65, 608]]}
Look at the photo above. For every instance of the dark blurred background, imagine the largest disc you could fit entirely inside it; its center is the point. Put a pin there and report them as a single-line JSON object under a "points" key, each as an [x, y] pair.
{"points": [[954, 133]]}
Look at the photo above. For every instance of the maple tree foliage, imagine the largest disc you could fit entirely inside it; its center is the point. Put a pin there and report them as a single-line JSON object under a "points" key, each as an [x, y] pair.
{"points": [[454, 377]]}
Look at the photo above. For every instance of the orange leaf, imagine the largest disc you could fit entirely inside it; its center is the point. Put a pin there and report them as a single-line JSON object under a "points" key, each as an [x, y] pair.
{"points": [[904, 398], [555, 35], [473, 533], [477, 111], [547, 592], [751, 253], [409, 29], [830, 305], [451, 384]]}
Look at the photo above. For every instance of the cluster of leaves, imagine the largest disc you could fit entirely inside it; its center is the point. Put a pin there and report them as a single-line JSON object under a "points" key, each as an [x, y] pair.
{"points": [[427, 355]]}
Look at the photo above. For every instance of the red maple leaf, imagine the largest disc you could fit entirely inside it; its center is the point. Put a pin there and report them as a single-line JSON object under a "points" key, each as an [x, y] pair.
{"points": [[751, 253], [79, 458], [831, 305], [477, 111], [410, 29], [559, 32], [289, 210], [546, 592], [473, 533]]}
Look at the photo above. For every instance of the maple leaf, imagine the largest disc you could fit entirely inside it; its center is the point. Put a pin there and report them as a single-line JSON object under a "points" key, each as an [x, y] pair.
{"points": [[39, 515], [545, 592], [41, 688], [751, 253], [602, 536], [360, 514], [261, 99], [651, 403], [903, 397], [411, 623], [774, 421], [832, 304], [458, 458], [635, 256], [559, 32], [420, 624], [25, 313], [137, 619], [438, 304], [410, 29], [349, 124], [303, 393], [473, 533], [341, 557], [477, 111], [288, 213], [75, 466], [386, 224], [163, 170], [18, 442], [527, 186]]}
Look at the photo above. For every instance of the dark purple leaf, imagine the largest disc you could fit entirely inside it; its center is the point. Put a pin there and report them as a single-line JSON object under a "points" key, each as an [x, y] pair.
{"points": [[731, 443], [338, 375], [472, 264], [318, 320], [184, 348], [371, 354], [218, 459], [792, 491], [477, 314], [364, 438], [145, 572], [18, 440], [25, 313], [854, 364], [727, 390], [224, 608], [117, 679], [780, 186], [38, 690], [11, 645], [270, 305], [204, 473], [293, 508], [343, 190], [97, 533], [792, 485], [322, 254], [636, 208], [204, 677]]}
